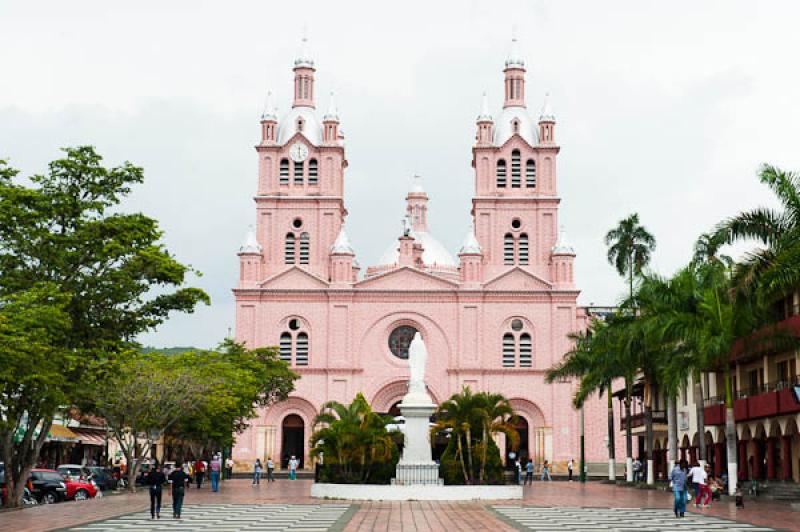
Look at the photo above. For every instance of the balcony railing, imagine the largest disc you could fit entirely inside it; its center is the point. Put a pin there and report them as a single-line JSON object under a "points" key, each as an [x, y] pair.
{"points": [[771, 399], [638, 419]]}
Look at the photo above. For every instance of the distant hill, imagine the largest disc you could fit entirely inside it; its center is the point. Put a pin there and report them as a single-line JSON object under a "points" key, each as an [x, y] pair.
{"points": [[169, 350]]}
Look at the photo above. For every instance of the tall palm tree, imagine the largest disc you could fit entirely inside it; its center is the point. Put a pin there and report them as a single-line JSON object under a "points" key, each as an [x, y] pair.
{"points": [[630, 246], [591, 359], [497, 416], [771, 271], [459, 416]]}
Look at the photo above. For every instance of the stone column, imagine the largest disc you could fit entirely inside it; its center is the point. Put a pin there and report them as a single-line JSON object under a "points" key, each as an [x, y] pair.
{"points": [[756, 460], [786, 463], [692, 455], [743, 465], [718, 451], [771, 455]]}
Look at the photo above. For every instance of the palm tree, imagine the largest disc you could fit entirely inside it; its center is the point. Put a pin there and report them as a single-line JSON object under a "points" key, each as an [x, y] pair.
{"points": [[498, 417], [592, 360], [353, 438], [629, 251], [773, 270], [458, 415]]}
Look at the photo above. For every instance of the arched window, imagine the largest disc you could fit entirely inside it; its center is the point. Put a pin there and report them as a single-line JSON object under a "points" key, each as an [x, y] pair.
{"points": [[301, 350], [508, 351], [501, 173], [530, 173], [298, 172], [516, 178], [525, 350], [300, 124], [523, 248], [304, 243], [288, 250], [515, 126], [284, 175], [285, 348], [313, 172], [508, 249]]}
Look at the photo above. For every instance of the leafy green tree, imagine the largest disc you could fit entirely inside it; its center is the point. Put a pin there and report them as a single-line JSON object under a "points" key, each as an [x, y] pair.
{"points": [[33, 365], [239, 380], [630, 246], [355, 441], [496, 417], [65, 228], [141, 396]]}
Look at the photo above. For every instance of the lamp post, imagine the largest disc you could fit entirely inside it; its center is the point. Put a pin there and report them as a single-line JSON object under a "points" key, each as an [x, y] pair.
{"points": [[583, 451]]}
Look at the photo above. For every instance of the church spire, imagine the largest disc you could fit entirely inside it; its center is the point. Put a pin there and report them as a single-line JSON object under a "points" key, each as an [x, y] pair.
{"points": [[417, 206], [303, 77], [515, 76]]}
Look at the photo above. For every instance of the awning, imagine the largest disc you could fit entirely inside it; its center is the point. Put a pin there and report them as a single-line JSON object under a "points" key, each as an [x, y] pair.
{"points": [[61, 433], [90, 437]]}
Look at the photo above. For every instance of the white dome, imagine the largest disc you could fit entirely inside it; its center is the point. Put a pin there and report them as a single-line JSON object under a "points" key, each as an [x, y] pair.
{"points": [[503, 128], [433, 251], [312, 130]]}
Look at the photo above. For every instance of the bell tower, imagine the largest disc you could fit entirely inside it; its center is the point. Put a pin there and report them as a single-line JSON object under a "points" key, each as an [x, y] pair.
{"points": [[300, 198]]}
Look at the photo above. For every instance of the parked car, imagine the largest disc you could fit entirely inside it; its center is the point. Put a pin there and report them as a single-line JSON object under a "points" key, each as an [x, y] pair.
{"points": [[74, 471], [81, 490], [48, 486], [103, 478]]}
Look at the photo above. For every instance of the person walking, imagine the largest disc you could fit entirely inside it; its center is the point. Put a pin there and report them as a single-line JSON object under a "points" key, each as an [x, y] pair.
{"points": [[179, 479], [518, 471], [637, 470], [546, 471], [257, 472], [677, 479], [696, 473], [703, 490], [199, 472], [229, 468], [293, 463], [529, 472], [570, 465], [216, 470], [318, 466], [270, 470], [155, 479]]}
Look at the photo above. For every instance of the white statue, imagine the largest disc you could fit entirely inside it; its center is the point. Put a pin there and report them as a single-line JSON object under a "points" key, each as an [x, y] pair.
{"points": [[417, 357]]}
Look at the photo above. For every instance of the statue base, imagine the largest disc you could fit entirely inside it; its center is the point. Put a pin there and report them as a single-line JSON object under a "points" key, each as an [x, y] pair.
{"points": [[416, 467]]}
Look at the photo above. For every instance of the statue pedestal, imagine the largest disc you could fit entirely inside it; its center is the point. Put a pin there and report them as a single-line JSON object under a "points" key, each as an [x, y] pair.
{"points": [[416, 466]]}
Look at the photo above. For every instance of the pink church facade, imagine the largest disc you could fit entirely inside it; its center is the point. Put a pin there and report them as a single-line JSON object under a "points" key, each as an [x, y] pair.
{"points": [[494, 317]]}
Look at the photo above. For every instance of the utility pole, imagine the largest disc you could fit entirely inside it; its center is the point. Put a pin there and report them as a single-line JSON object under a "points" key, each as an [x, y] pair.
{"points": [[583, 451]]}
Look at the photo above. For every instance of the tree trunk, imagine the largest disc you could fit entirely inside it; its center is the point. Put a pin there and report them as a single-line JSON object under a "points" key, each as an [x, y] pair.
{"points": [[672, 431], [648, 441], [612, 466], [469, 454], [628, 435], [701, 421], [483, 455], [18, 465], [730, 434], [461, 457]]}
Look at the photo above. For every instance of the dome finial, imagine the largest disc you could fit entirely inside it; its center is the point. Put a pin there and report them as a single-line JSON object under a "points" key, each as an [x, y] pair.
{"points": [[514, 59], [471, 244], [416, 184], [250, 244], [546, 114], [270, 110], [484, 116], [562, 245], [304, 57], [333, 112]]}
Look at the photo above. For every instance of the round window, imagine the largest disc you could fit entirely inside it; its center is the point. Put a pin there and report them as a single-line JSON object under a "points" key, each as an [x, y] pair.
{"points": [[516, 324], [516, 223], [294, 324], [297, 223], [400, 340]]}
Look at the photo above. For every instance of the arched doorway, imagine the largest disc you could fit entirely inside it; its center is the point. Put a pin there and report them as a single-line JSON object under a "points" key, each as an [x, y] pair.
{"points": [[292, 440], [522, 451]]}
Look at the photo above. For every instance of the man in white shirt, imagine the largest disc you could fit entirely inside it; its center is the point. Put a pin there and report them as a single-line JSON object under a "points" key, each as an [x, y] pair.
{"points": [[699, 477]]}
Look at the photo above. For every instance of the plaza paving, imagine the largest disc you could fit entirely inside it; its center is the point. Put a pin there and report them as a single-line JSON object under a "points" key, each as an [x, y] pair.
{"points": [[562, 506]]}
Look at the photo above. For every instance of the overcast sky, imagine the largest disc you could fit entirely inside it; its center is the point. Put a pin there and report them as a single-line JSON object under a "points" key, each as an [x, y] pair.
{"points": [[663, 108]]}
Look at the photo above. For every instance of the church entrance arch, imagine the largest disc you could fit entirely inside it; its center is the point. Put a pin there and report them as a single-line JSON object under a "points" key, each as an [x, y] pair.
{"points": [[522, 451], [293, 430]]}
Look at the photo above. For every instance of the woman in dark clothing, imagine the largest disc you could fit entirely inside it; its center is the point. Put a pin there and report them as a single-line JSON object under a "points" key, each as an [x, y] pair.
{"points": [[156, 480], [178, 479]]}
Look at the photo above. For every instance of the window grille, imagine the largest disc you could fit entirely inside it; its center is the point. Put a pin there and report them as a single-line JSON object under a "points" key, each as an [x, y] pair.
{"points": [[530, 173], [525, 350], [508, 350], [508, 249], [301, 350], [285, 348], [288, 250], [284, 175], [501, 173], [304, 244], [298, 173], [523, 248], [312, 172], [516, 179]]}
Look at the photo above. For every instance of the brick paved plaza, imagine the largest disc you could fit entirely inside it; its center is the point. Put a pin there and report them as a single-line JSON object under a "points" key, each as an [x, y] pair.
{"points": [[286, 505]]}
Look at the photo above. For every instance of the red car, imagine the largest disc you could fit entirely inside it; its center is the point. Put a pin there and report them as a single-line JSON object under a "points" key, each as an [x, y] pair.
{"points": [[80, 490]]}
